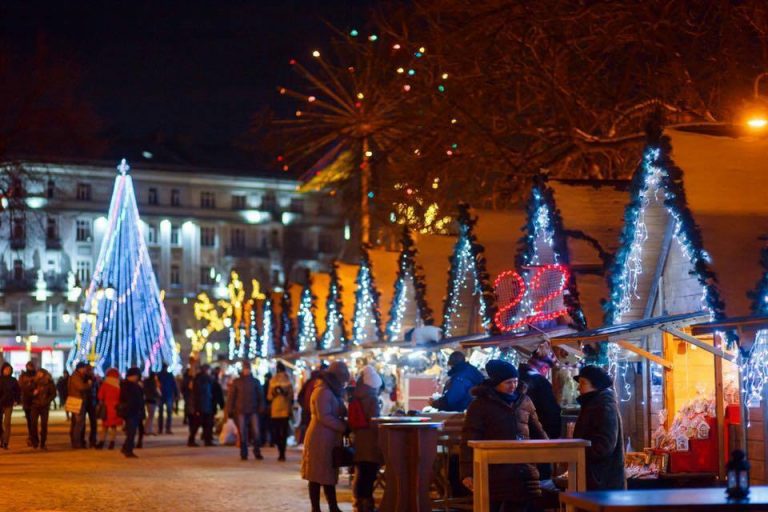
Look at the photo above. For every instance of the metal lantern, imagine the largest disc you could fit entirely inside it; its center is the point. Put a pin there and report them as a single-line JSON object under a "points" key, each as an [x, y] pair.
{"points": [[737, 476]]}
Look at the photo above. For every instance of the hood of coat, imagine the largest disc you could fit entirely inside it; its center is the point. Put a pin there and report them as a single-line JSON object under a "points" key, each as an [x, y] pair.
{"points": [[597, 398], [330, 381], [363, 390]]}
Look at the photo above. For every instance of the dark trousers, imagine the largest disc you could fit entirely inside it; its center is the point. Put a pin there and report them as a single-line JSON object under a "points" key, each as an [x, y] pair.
{"points": [[39, 417], [5, 424], [131, 426], [89, 410], [365, 478], [165, 406], [77, 430], [28, 419], [248, 427], [204, 421], [280, 434]]}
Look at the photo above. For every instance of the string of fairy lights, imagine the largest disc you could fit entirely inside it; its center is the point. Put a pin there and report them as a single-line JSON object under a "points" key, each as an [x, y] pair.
{"points": [[335, 332], [366, 320]]}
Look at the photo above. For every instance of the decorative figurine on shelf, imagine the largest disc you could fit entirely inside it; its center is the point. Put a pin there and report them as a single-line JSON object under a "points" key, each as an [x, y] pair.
{"points": [[681, 443], [738, 476], [702, 429]]}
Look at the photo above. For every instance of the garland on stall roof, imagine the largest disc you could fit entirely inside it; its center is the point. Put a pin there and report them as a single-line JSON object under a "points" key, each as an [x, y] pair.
{"points": [[287, 333], [307, 337], [468, 256], [366, 314], [659, 171], [543, 219], [335, 332], [408, 270]]}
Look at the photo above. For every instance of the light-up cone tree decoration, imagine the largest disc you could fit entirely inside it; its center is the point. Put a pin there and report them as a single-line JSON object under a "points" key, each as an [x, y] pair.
{"points": [[470, 304], [306, 338], [267, 335], [335, 334], [409, 307], [123, 321], [287, 335], [366, 321]]}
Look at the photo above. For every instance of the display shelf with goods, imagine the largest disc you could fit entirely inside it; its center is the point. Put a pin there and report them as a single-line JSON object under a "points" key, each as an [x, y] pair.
{"points": [[123, 321]]}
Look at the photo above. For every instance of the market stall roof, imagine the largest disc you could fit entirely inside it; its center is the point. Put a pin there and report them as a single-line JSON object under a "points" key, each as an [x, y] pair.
{"points": [[726, 180], [746, 327], [527, 340], [634, 329]]}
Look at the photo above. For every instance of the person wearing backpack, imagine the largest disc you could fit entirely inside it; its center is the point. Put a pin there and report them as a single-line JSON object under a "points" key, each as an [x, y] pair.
{"points": [[502, 411], [363, 407]]}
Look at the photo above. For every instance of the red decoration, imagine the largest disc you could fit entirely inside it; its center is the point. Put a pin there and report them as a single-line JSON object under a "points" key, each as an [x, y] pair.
{"points": [[510, 290], [541, 290]]}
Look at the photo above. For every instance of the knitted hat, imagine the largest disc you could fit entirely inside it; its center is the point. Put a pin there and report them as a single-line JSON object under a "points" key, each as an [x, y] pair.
{"points": [[456, 357], [498, 371], [597, 376], [371, 377], [133, 371], [339, 370]]}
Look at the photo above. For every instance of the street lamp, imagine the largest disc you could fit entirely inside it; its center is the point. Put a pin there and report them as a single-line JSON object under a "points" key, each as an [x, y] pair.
{"points": [[28, 341], [757, 119]]}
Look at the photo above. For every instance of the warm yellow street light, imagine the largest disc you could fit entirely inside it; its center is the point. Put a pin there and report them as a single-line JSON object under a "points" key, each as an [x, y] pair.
{"points": [[757, 123]]}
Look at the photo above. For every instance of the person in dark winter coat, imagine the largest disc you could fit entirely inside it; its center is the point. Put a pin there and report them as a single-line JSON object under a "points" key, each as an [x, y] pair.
{"points": [[43, 394], [245, 401], [79, 387], [169, 392], [217, 391], [462, 377], [368, 457], [131, 408], [10, 394], [27, 386], [539, 390], [62, 385], [599, 421], [502, 411], [201, 407]]}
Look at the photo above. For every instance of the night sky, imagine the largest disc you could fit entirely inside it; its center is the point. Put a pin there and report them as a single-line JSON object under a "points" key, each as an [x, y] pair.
{"points": [[178, 69]]}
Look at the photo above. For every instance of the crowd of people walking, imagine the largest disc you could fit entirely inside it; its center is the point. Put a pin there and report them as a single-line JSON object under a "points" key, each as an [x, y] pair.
{"points": [[337, 405]]}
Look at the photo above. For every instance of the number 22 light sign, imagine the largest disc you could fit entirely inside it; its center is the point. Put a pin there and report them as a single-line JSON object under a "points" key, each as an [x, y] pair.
{"points": [[538, 300]]}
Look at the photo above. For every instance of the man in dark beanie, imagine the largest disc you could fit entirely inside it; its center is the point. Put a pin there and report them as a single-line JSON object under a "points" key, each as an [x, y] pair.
{"points": [[502, 411], [462, 377], [131, 408], [599, 421]]}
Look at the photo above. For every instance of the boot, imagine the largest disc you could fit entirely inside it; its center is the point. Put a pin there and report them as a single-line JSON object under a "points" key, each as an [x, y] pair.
{"points": [[111, 445], [100, 445]]}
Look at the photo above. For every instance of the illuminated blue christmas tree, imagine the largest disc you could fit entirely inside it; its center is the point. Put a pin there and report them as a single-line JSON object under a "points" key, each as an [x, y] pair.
{"points": [[267, 337], [123, 322], [470, 299], [335, 332], [366, 321], [286, 337], [409, 307], [307, 337]]}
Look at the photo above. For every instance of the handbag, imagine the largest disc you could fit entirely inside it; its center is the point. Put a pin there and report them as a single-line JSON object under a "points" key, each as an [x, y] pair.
{"points": [[343, 456], [74, 405]]}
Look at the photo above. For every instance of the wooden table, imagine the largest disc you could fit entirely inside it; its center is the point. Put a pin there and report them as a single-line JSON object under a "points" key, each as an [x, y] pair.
{"points": [[698, 500], [532, 451], [409, 451]]}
